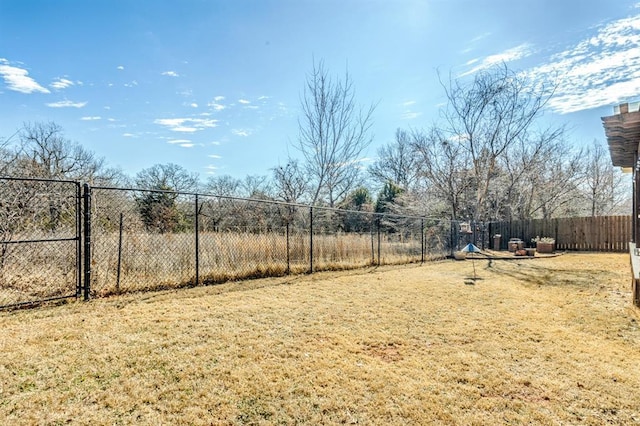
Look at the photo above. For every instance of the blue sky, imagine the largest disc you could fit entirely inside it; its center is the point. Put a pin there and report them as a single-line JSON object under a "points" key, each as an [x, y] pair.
{"points": [[215, 85]]}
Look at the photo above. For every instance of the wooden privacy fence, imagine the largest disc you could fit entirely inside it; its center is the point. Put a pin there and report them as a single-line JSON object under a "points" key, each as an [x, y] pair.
{"points": [[601, 233]]}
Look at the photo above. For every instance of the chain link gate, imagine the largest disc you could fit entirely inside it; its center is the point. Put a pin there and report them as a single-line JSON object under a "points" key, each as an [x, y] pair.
{"points": [[40, 241]]}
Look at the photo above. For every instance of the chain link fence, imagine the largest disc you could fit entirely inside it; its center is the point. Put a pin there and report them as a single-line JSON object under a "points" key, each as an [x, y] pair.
{"points": [[59, 241], [143, 239]]}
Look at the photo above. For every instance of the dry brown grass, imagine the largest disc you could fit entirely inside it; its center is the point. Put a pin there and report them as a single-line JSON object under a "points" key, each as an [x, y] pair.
{"points": [[161, 261], [544, 341]]}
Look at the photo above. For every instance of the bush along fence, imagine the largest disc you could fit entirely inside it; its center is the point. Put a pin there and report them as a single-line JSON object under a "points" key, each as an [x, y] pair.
{"points": [[62, 239]]}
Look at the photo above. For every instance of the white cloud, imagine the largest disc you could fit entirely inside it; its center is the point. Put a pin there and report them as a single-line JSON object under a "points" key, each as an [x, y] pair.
{"points": [[120, 67], [601, 70], [480, 37], [18, 79], [171, 73], [61, 83], [513, 54], [409, 115], [132, 84], [184, 129], [244, 101], [474, 41], [129, 135], [408, 103], [187, 125], [184, 143], [241, 132], [215, 143], [194, 105], [94, 118], [262, 98], [214, 156], [218, 98], [215, 105], [66, 104]]}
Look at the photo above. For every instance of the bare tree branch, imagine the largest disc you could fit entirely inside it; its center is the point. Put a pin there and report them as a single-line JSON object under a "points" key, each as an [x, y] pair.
{"points": [[334, 132], [488, 115]]}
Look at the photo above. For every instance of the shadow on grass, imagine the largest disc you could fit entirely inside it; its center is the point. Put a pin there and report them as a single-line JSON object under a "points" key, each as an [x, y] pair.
{"points": [[472, 280], [545, 275]]}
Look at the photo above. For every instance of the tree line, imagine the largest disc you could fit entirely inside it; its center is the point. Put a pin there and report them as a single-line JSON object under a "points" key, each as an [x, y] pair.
{"points": [[486, 159]]}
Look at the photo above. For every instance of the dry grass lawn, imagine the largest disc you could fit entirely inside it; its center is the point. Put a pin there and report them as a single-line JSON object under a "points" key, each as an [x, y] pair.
{"points": [[543, 341]]}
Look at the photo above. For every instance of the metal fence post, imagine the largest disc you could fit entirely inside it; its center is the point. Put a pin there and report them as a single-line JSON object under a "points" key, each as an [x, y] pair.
{"points": [[311, 239], [451, 237], [78, 239], [421, 240], [197, 248], [373, 253], [288, 271], [378, 226], [119, 253], [87, 240]]}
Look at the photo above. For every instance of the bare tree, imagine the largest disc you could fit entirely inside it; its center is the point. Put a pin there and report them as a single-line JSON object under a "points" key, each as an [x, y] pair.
{"points": [[257, 186], [290, 182], [168, 177], [217, 211], [8, 156], [604, 186], [487, 116], [446, 166], [45, 152], [543, 177], [224, 185], [41, 150], [334, 132], [557, 184], [397, 162]]}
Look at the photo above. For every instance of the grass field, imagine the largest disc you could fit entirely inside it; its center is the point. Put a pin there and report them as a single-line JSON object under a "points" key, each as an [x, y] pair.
{"points": [[543, 341]]}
